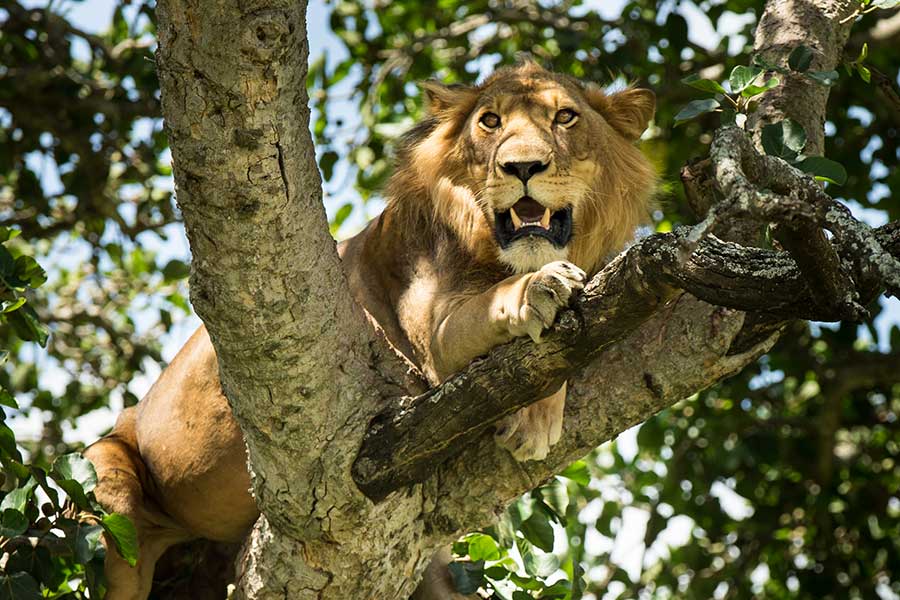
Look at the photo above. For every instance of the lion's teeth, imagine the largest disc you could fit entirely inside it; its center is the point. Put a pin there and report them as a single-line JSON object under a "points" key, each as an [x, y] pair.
{"points": [[545, 221], [517, 222]]}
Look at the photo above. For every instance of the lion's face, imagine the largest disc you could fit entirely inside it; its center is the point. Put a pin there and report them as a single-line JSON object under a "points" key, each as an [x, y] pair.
{"points": [[538, 166], [534, 163]]}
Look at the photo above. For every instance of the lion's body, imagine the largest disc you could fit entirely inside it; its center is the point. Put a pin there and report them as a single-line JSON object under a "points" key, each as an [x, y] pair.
{"points": [[430, 272]]}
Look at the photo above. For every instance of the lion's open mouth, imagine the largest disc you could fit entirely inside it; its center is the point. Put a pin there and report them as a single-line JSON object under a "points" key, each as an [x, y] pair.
{"points": [[528, 217]]}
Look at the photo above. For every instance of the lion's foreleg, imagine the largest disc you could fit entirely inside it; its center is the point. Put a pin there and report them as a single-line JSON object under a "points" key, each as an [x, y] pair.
{"points": [[517, 306]]}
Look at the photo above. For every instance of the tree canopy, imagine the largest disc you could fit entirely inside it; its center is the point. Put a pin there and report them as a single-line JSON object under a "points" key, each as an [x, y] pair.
{"points": [[778, 482]]}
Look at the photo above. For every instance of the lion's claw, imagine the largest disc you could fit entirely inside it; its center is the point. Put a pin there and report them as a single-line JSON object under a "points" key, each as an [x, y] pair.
{"points": [[551, 289]]}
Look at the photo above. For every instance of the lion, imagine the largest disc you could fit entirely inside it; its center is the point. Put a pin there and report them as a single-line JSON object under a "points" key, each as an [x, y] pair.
{"points": [[506, 197]]}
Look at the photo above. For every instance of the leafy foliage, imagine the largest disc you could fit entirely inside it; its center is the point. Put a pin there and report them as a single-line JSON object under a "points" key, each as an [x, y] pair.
{"points": [[784, 139], [65, 558]]}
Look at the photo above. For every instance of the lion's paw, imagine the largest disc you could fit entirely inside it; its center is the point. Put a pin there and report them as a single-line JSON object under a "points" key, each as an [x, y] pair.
{"points": [[529, 433], [550, 289]]}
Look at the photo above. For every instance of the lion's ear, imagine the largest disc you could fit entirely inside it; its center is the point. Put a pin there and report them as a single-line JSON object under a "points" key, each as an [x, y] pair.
{"points": [[440, 98], [628, 111]]}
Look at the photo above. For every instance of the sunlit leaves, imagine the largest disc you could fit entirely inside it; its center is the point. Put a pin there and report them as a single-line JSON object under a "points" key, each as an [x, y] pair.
{"points": [[695, 108], [482, 547], [754, 90], [578, 472], [705, 85], [19, 497], [340, 216], [742, 76], [75, 552], [124, 536], [744, 84], [76, 476]]}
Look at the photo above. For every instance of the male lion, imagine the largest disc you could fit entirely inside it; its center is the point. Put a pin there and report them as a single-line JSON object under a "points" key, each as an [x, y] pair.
{"points": [[505, 196]]}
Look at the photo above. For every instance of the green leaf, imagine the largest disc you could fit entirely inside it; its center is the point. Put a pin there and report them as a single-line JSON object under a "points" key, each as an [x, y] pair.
{"points": [[706, 85], [30, 272], [7, 233], [340, 216], [76, 476], [767, 66], [754, 90], [578, 472], [520, 510], [175, 270], [75, 466], [538, 531], [12, 523], [784, 139], [326, 163], [87, 542], [18, 586], [496, 572], [467, 576], [124, 535], [742, 76], [483, 547], [696, 108], [823, 169], [28, 326], [560, 589], [800, 58], [15, 305], [537, 565], [7, 399], [828, 78], [863, 53], [556, 498], [18, 497], [864, 73]]}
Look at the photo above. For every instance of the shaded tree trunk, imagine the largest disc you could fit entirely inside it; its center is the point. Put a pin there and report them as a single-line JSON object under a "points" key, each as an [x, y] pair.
{"points": [[304, 372]]}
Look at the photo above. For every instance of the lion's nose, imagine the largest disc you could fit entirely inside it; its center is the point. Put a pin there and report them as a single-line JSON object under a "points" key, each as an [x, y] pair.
{"points": [[524, 170]]}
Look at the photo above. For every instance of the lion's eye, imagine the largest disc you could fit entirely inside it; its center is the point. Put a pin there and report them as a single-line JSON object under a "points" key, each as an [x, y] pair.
{"points": [[565, 116], [489, 120]]}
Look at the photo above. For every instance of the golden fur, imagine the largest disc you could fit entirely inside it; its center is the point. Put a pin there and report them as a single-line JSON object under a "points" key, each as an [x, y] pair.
{"points": [[441, 177], [430, 272]]}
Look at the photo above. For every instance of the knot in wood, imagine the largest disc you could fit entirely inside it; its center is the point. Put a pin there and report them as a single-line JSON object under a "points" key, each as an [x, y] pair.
{"points": [[266, 35]]}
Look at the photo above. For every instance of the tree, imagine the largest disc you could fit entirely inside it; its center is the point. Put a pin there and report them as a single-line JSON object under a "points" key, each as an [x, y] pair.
{"points": [[276, 158]]}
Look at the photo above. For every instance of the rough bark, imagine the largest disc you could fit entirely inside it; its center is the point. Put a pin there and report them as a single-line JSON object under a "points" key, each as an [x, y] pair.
{"points": [[303, 371]]}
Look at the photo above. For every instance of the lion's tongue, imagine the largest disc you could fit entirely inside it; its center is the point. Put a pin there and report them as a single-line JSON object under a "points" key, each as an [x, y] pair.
{"points": [[528, 211]]}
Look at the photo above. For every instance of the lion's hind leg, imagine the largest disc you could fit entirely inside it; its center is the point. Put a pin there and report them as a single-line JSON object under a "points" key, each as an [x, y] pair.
{"points": [[122, 487]]}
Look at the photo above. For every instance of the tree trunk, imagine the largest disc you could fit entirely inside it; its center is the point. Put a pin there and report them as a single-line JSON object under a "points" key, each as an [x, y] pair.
{"points": [[302, 369]]}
